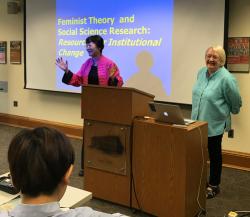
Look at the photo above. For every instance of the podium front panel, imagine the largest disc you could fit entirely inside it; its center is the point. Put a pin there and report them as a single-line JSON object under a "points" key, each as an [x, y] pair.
{"points": [[107, 161], [105, 146]]}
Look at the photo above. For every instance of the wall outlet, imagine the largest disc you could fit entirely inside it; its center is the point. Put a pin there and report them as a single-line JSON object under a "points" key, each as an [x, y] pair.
{"points": [[4, 86], [15, 103], [230, 133]]}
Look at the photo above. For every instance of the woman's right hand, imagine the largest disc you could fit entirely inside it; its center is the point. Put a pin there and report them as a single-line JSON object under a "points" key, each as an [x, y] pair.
{"points": [[62, 65]]}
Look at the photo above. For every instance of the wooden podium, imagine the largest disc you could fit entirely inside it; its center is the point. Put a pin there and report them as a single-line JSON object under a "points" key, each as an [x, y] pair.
{"points": [[108, 114], [172, 179]]}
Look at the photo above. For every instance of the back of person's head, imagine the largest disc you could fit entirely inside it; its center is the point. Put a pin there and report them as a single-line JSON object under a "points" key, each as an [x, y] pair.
{"points": [[38, 160], [97, 40]]}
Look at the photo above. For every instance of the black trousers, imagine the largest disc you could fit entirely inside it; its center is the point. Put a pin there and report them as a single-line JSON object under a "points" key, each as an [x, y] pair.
{"points": [[215, 157]]}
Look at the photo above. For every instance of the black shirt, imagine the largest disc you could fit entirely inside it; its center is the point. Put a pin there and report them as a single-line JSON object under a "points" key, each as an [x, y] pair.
{"points": [[93, 76]]}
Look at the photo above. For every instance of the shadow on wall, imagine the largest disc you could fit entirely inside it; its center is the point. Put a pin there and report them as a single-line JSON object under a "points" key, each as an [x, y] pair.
{"points": [[145, 79]]}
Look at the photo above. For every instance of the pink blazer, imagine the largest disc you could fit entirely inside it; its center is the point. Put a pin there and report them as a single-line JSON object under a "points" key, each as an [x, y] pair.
{"points": [[106, 68]]}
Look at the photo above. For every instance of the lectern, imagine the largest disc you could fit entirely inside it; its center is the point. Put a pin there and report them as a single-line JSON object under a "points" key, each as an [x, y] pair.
{"points": [[108, 114], [172, 181]]}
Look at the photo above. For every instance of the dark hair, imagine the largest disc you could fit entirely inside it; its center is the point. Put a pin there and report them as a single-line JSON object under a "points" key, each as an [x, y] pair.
{"points": [[38, 160], [97, 40]]}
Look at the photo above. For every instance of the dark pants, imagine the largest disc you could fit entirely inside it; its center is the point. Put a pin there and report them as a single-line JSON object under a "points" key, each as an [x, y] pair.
{"points": [[215, 157]]}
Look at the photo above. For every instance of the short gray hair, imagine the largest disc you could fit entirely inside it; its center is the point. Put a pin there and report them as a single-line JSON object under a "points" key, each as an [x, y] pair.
{"points": [[220, 51]]}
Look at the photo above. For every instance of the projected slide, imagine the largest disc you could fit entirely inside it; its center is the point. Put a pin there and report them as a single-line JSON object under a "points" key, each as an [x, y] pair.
{"points": [[158, 45], [137, 35]]}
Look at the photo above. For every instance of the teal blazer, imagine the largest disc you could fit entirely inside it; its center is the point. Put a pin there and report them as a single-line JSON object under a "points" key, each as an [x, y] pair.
{"points": [[214, 98]]}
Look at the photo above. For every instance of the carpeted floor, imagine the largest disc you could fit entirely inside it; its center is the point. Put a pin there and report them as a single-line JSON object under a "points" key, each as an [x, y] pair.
{"points": [[235, 186]]}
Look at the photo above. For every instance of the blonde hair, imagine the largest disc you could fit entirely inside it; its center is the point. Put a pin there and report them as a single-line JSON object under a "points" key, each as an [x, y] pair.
{"points": [[220, 51]]}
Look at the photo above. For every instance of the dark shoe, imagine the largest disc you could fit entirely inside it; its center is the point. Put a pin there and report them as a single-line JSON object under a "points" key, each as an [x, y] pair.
{"points": [[212, 191]]}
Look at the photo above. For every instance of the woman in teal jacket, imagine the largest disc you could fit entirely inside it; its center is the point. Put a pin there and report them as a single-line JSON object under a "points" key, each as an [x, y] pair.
{"points": [[215, 96]]}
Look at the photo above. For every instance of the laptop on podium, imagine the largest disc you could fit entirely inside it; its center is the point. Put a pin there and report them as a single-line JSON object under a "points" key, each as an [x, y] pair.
{"points": [[168, 113]]}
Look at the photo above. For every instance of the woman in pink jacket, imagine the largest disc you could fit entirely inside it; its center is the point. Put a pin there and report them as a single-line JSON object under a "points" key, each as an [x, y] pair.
{"points": [[97, 70]]}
